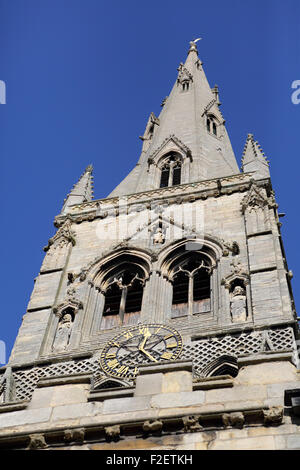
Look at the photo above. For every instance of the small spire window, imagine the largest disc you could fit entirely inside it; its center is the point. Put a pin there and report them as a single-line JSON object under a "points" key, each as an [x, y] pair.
{"points": [[185, 86], [208, 122], [211, 125], [214, 128]]}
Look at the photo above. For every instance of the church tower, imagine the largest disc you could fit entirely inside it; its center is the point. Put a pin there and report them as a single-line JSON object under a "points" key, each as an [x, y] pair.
{"points": [[162, 316]]}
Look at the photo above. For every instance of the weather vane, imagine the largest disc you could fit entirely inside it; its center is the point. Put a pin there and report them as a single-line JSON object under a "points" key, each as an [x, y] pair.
{"points": [[193, 44]]}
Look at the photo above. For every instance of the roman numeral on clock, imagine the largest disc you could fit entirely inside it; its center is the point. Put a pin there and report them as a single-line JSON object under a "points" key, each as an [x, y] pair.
{"points": [[166, 355], [114, 363]]}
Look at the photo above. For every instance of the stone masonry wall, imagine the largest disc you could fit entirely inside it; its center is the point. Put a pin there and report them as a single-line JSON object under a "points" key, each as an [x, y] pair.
{"points": [[166, 409]]}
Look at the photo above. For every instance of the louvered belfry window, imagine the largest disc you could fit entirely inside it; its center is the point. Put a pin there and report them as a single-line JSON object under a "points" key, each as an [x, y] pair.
{"points": [[191, 286], [123, 299]]}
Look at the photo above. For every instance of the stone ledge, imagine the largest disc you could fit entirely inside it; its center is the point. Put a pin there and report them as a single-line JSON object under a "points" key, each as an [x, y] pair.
{"points": [[165, 367], [209, 383], [100, 395], [263, 269], [178, 423], [65, 379], [268, 356], [13, 406], [246, 327], [257, 234], [49, 360]]}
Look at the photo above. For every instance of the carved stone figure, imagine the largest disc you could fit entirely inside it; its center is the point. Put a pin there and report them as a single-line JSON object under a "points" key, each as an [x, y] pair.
{"points": [[37, 441], [63, 333], [235, 419], [74, 435], [273, 416], [113, 432], [238, 305], [154, 426], [191, 424], [158, 237]]}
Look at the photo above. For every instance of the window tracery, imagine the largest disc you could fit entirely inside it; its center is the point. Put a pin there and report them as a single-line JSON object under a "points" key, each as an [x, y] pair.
{"points": [[123, 298], [171, 171], [191, 285]]}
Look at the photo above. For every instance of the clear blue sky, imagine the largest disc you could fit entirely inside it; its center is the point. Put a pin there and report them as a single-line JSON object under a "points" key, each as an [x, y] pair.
{"points": [[82, 77]]}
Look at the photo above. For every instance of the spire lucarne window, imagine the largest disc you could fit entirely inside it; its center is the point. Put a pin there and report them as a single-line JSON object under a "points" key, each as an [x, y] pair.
{"points": [[171, 171], [211, 125]]}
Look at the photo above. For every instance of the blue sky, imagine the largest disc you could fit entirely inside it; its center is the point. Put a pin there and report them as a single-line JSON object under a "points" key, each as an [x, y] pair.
{"points": [[82, 77]]}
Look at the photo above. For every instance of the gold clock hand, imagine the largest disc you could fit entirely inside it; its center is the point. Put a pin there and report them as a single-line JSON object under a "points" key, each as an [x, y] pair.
{"points": [[147, 335], [149, 355]]}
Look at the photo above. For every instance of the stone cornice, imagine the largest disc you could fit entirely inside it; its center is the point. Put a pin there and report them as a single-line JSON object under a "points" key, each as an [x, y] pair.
{"points": [[156, 424], [98, 209]]}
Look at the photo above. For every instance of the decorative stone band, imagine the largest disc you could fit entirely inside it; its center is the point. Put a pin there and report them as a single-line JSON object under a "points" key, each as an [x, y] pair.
{"points": [[203, 351], [89, 211], [164, 425]]}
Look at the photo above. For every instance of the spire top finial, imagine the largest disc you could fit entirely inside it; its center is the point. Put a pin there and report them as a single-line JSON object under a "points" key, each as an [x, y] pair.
{"points": [[193, 46], [89, 169]]}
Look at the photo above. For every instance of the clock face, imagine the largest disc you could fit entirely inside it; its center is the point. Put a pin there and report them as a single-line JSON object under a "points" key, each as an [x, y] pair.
{"points": [[138, 345]]}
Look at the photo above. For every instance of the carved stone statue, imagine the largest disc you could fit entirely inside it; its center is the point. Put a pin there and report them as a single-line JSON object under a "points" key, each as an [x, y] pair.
{"points": [[63, 333], [238, 305], [158, 237]]}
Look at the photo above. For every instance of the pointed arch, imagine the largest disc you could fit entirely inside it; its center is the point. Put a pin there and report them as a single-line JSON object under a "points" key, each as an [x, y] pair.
{"points": [[106, 383], [222, 365], [212, 124], [211, 248], [119, 279], [94, 271], [188, 265], [170, 166]]}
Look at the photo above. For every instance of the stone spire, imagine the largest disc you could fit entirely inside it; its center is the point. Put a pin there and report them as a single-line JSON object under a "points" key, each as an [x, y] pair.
{"points": [[190, 116], [82, 191], [254, 159]]}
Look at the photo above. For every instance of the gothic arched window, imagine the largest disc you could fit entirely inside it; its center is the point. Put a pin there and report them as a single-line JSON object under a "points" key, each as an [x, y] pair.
{"points": [[211, 125], [171, 171], [164, 179], [214, 128], [185, 85], [208, 123], [191, 285], [123, 296]]}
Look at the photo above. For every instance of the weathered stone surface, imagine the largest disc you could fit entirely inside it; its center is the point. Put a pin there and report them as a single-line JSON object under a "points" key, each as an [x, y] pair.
{"points": [[149, 384], [293, 442], [262, 443], [19, 418], [170, 400], [76, 411], [119, 405], [266, 373], [181, 381], [247, 393]]}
